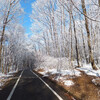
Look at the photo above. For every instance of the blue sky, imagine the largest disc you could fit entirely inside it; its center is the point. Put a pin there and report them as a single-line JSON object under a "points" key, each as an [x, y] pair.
{"points": [[26, 4]]}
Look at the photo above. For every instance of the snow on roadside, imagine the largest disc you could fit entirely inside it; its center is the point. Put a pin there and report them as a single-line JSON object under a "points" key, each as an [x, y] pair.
{"points": [[70, 72], [50, 64], [44, 73], [4, 77], [96, 81], [68, 82], [87, 68], [61, 75], [12, 72], [61, 72]]}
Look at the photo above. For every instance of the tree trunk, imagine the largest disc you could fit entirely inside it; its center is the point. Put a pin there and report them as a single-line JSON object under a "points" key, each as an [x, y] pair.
{"points": [[70, 31], [84, 48], [2, 38], [99, 2], [3, 31], [88, 36]]}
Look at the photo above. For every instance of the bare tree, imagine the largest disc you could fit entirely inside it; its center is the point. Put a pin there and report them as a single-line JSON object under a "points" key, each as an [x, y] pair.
{"points": [[9, 12], [88, 35]]}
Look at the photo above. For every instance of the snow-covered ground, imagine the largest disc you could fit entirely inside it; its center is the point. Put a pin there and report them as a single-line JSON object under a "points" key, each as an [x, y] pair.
{"points": [[4, 77], [63, 69], [87, 68], [61, 72], [63, 65], [68, 83]]}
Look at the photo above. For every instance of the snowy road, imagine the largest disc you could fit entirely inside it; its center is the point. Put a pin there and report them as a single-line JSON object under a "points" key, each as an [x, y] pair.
{"points": [[26, 85]]}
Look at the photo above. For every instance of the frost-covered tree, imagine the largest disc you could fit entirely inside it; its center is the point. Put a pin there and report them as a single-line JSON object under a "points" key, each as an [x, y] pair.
{"points": [[62, 27], [9, 11]]}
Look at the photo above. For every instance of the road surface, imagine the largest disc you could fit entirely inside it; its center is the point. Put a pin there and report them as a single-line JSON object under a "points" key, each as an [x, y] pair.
{"points": [[26, 85]]}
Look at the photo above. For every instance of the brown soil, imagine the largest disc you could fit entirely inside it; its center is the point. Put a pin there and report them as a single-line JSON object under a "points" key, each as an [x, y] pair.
{"points": [[40, 70], [84, 88]]}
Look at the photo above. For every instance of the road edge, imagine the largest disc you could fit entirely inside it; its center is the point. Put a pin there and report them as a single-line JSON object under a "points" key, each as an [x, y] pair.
{"points": [[58, 96], [12, 91]]}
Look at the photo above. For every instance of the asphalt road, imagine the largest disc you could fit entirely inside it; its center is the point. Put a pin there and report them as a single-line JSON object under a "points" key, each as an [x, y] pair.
{"points": [[29, 87]]}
